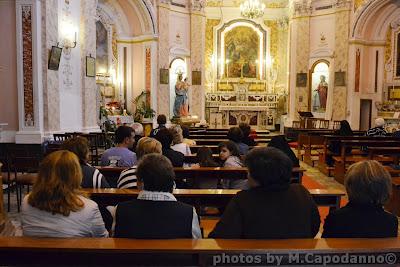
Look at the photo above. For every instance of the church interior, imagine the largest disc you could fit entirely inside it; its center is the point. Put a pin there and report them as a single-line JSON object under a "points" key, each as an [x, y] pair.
{"points": [[314, 82]]}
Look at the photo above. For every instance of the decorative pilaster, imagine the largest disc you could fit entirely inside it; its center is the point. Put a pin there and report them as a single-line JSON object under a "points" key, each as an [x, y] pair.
{"points": [[51, 94], [29, 71], [88, 47], [163, 57], [197, 51], [342, 20]]}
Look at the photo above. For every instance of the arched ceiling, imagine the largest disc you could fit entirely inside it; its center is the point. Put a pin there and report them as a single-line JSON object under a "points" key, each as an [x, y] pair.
{"points": [[373, 18]]}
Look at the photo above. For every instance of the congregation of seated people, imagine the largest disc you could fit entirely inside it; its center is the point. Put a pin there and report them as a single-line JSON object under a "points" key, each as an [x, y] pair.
{"points": [[267, 207]]}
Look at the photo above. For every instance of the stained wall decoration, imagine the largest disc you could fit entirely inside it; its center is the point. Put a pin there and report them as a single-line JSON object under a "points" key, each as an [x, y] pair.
{"points": [[27, 65]]}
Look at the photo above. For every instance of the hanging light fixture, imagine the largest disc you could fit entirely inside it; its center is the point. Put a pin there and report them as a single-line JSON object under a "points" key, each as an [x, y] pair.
{"points": [[252, 9]]}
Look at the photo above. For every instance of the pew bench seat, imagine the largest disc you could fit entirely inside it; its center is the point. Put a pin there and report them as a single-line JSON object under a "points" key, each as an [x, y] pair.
{"points": [[203, 252]]}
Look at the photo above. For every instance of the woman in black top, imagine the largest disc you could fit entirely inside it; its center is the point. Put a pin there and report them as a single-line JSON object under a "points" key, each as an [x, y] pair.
{"points": [[334, 146], [368, 185], [272, 207], [280, 143]]}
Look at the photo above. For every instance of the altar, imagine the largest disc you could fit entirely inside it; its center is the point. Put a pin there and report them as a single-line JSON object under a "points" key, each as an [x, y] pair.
{"points": [[224, 110]]}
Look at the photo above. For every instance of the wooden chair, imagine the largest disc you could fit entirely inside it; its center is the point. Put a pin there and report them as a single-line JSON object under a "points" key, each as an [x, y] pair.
{"points": [[25, 172], [296, 124], [92, 140], [61, 137], [336, 125], [323, 124]]}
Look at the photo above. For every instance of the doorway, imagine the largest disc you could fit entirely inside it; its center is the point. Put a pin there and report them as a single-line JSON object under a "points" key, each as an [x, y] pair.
{"points": [[365, 114]]}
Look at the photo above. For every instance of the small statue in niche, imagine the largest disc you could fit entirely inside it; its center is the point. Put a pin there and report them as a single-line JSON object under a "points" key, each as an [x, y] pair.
{"points": [[321, 95], [181, 105]]}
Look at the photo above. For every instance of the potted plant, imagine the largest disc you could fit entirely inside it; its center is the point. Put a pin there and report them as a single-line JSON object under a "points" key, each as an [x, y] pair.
{"points": [[143, 110]]}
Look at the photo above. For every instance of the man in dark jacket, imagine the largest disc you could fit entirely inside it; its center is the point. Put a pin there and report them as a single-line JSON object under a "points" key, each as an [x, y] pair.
{"points": [[161, 121], [272, 208]]}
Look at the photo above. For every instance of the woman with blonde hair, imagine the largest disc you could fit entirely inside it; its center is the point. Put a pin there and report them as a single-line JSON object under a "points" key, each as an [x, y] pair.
{"points": [[177, 141], [369, 186], [146, 145], [55, 207]]}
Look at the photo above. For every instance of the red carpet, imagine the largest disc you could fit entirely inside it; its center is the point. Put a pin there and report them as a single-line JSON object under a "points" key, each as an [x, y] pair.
{"points": [[310, 183]]}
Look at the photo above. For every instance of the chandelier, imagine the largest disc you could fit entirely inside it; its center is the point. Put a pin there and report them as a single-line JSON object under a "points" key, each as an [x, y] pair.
{"points": [[252, 9]]}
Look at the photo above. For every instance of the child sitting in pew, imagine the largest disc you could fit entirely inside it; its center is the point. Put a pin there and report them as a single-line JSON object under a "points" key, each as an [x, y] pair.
{"points": [[230, 157], [368, 185]]}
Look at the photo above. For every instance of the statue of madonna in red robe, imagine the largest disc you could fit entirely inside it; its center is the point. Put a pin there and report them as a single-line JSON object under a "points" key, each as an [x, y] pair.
{"points": [[322, 90]]}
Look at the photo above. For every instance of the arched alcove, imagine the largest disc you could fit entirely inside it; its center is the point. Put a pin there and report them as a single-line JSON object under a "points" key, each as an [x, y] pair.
{"points": [[319, 81]]}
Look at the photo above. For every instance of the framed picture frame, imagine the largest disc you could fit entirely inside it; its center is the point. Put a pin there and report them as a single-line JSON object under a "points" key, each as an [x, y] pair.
{"points": [[301, 80], [54, 58], [196, 77], [164, 76], [90, 66], [340, 78]]}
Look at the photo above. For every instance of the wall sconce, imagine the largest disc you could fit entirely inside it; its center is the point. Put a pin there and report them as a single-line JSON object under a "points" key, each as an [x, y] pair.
{"points": [[69, 35]]}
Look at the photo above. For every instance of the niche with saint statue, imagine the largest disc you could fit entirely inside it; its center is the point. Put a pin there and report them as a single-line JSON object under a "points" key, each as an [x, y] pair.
{"points": [[319, 87]]}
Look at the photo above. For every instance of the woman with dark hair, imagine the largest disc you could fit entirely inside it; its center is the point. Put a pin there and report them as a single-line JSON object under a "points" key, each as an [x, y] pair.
{"points": [[205, 159], [272, 208], [165, 137], [186, 136], [246, 130], [229, 155], [280, 143], [236, 136], [334, 146], [369, 186]]}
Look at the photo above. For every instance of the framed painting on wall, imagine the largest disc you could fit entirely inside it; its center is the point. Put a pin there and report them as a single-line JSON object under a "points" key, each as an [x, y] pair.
{"points": [[301, 80], [54, 58], [340, 78], [164, 76], [196, 77], [90, 66]]}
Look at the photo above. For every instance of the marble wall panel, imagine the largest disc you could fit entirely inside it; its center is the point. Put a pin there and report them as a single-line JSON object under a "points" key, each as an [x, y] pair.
{"points": [[27, 65]]}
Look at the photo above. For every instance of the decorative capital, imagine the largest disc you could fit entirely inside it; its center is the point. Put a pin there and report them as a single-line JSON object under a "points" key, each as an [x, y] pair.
{"points": [[198, 5], [302, 8]]}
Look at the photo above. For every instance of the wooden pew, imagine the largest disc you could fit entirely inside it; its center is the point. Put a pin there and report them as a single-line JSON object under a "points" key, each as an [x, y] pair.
{"points": [[343, 159], [377, 152], [112, 173], [187, 252], [205, 197], [328, 139], [309, 143], [214, 148], [215, 142]]}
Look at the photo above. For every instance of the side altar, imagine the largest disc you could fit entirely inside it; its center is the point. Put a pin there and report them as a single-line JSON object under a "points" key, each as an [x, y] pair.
{"points": [[241, 103]]}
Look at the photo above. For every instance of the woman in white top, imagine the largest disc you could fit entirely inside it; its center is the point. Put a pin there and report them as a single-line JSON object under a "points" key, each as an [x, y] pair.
{"points": [[177, 142], [55, 208]]}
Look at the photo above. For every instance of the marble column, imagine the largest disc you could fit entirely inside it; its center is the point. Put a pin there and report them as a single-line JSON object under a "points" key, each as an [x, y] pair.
{"points": [[88, 48], [29, 71], [197, 50]]}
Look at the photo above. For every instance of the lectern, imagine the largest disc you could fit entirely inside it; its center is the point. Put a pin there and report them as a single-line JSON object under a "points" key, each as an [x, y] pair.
{"points": [[304, 118]]}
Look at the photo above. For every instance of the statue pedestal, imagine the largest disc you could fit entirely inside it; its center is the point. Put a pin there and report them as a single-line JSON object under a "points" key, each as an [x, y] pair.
{"points": [[189, 121]]}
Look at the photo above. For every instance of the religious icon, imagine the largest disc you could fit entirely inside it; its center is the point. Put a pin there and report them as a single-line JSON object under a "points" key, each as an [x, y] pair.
{"points": [[181, 104], [320, 95]]}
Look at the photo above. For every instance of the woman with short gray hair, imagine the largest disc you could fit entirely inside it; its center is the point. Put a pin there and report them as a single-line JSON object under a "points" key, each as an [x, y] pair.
{"points": [[369, 186]]}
